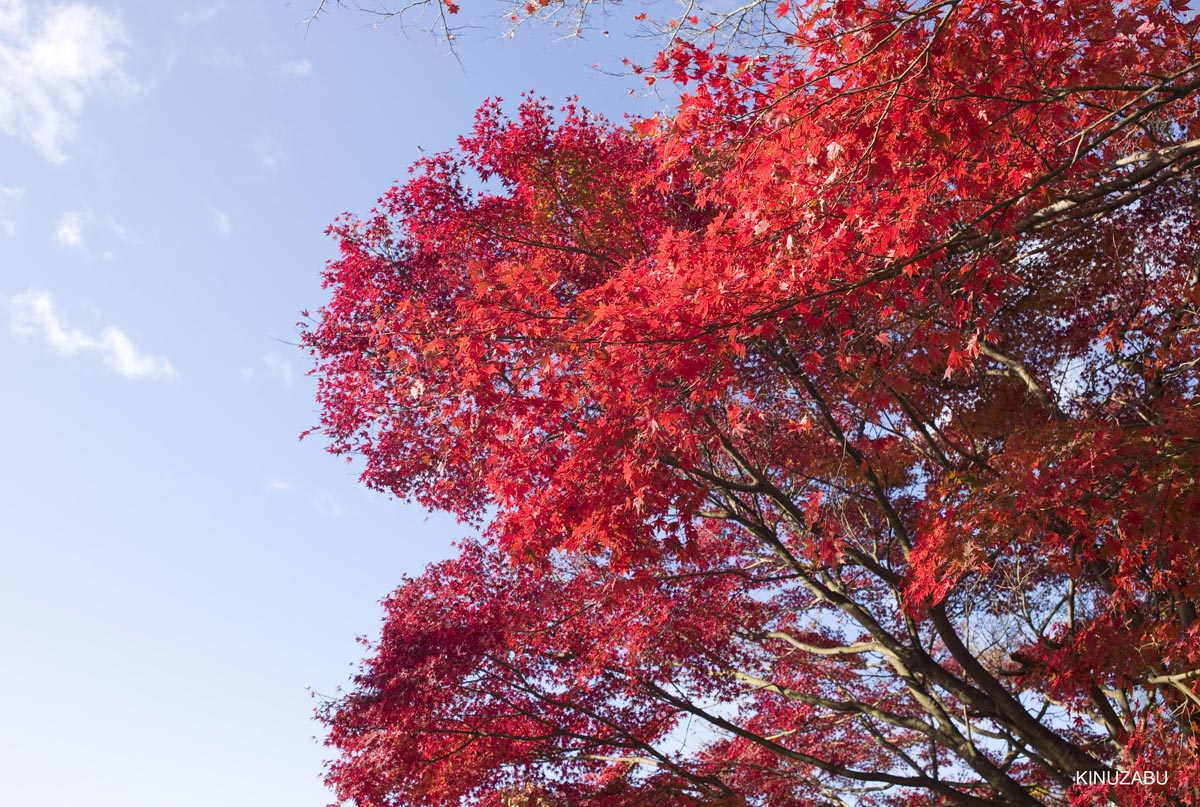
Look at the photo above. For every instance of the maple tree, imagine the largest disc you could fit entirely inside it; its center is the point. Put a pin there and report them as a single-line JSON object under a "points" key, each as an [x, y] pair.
{"points": [[836, 436]]}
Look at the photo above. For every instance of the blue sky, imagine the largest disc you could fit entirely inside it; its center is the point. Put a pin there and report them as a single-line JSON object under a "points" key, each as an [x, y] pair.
{"points": [[178, 569]]}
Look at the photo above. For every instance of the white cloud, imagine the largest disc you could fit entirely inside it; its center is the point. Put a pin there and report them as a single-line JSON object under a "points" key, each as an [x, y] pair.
{"points": [[226, 60], [74, 226], [202, 14], [120, 231], [273, 365], [69, 232], [277, 486], [12, 15], [326, 505], [222, 221], [298, 69], [270, 149], [8, 196], [279, 367], [48, 69], [33, 314]]}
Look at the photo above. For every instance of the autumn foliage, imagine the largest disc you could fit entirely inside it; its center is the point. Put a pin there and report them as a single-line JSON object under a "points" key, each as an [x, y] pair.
{"points": [[836, 436]]}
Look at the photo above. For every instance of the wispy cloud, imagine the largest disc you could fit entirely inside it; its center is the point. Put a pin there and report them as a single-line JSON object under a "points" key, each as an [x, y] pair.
{"points": [[222, 221], [75, 227], [50, 67], [203, 13], [32, 314], [297, 69], [279, 367], [275, 486], [226, 61], [326, 505], [8, 197], [69, 232], [121, 231], [271, 364], [270, 149]]}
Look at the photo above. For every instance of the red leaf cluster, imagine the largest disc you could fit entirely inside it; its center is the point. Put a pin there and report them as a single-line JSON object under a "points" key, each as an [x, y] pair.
{"points": [[836, 437]]}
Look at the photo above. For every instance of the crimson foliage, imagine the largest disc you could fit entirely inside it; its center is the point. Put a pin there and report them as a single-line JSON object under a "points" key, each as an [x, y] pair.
{"points": [[836, 436]]}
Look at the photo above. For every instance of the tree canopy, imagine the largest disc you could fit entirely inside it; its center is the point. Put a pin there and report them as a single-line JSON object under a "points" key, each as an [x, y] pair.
{"points": [[836, 435]]}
